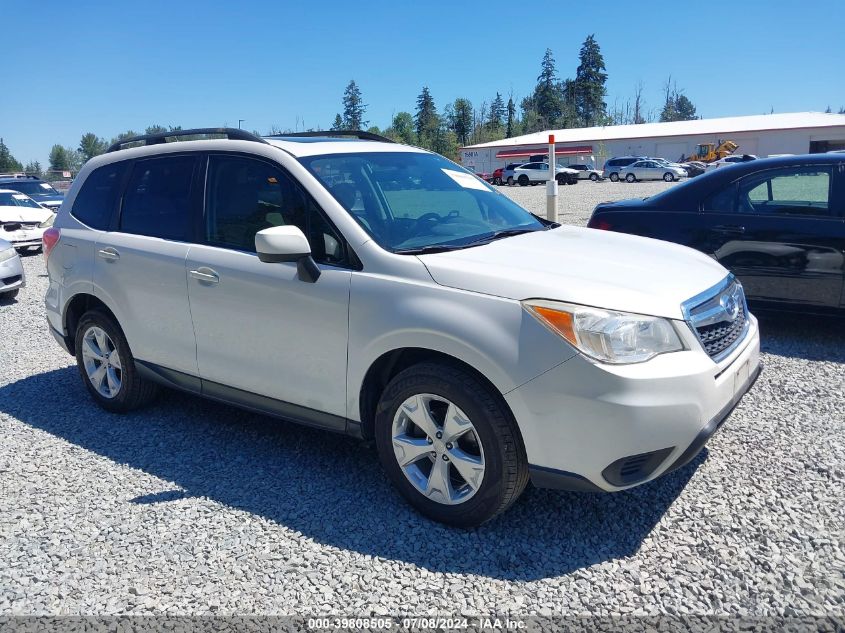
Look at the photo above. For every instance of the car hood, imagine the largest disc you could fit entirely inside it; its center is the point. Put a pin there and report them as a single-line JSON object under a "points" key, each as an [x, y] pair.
{"points": [[47, 198], [585, 266], [23, 214]]}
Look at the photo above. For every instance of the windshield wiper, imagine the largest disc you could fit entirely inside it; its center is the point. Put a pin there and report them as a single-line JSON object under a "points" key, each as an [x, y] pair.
{"points": [[434, 248], [505, 233]]}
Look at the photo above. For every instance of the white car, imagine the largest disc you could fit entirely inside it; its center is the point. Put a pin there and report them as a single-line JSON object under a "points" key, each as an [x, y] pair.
{"points": [[12, 277], [730, 160], [535, 173], [587, 172], [22, 220], [651, 170], [382, 291]]}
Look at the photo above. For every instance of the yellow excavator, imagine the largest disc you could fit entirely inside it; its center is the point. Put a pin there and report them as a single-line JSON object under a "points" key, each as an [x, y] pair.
{"points": [[708, 152]]}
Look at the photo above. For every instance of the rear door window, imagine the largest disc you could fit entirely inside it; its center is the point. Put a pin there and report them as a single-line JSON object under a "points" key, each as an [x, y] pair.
{"points": [[803, 191], [95, 202], [157, 200]]}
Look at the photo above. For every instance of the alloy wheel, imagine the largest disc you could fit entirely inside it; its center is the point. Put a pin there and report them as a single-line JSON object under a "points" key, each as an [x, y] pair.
{"points": [[438, 449], [102, 362]]}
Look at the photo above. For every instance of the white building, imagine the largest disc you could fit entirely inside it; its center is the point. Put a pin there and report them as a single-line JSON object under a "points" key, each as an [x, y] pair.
{"points": [[763, 135]]}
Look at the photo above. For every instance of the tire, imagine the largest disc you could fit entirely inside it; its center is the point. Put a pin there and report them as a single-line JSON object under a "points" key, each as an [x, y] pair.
{"points": [[614, 177], [11, 294], [561, 180], [668, 176], [594, 177], [132, 391], [493, 435], [522, 180], [630, 178], [510, 181]]}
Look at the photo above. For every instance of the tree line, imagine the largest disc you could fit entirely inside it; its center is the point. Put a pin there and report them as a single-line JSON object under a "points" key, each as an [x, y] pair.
{"points": [[554, 103]]}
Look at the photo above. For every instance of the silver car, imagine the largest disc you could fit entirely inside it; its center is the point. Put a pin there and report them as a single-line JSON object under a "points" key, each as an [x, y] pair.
{"points": [[651, 170], [12, 277]]}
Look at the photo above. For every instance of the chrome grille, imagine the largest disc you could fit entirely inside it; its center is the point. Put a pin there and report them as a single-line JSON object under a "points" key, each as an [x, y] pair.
{"points": [[719, 317]]}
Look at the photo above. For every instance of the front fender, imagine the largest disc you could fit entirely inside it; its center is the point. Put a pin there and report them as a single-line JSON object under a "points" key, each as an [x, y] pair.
{"points": [[493, 335]]}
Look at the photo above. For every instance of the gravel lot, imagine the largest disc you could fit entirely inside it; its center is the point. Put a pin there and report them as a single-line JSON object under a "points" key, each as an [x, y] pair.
{"points": [[191, 507]]}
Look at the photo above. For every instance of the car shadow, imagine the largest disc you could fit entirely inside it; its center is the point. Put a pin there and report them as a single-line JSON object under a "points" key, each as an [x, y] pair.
{"points": [[331, 488], [802, 336]]}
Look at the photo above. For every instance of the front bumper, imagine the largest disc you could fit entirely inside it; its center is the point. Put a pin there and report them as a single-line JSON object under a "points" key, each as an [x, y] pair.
{"points": [[12, 275], [24, 237], [588, 426]]}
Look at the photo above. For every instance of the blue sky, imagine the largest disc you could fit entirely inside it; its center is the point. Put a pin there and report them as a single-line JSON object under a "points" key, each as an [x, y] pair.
{"points": [[108, 66]]}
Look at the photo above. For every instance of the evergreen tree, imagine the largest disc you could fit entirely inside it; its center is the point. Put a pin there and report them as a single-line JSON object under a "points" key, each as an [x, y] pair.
{"points": [[123, 136], [589, 84], [353, 107], [684, 108], [402, 129], [547, 100], [426, 121], [676, 106], [59, 159], [33, 168], [497, 112], [7, 161], [460, 121], [511, 118], [338, 122], [91, 145]]}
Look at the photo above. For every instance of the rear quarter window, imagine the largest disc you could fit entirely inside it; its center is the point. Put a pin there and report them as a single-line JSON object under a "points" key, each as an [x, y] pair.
{"points": [[96, 199]]}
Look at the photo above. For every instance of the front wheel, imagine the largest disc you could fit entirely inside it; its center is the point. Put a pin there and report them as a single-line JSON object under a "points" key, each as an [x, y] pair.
{"points": [[449, 445], [630, 178], [614, 177], [523, 180], [107, 366], [561, 180], [668, 177], [594, 177], [510, 181]]}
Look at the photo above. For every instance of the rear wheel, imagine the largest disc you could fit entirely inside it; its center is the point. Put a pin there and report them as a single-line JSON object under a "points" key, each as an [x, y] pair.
{"points": [[523, 180], [449, 445], [630, 178], [561, 180], [107, 366], [614, 177], [668, 176], [510, 181]]}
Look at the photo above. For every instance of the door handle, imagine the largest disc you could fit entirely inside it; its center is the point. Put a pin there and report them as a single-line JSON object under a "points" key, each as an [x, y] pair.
{"points": [[729, 229], [109, 254], [205, 274]]}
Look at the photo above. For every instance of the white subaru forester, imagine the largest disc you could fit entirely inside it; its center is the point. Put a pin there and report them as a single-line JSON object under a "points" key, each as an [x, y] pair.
{"points": [[383, 291]]}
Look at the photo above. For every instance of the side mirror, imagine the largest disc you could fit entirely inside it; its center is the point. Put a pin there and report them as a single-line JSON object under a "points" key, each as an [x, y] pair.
{"points": [[287, 244]]}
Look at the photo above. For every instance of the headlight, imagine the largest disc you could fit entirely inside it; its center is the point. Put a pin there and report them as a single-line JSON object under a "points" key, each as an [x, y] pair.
{"points": [[605, 335], [9, 253], [46, 224]]}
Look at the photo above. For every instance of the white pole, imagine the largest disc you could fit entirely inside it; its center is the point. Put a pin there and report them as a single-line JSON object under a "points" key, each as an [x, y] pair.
{"points": [[551, 185]]}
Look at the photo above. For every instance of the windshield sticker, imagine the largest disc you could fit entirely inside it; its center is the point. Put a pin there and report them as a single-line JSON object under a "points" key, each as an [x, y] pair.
{"points": [[44, 185], [19, 196], [467, 181]]}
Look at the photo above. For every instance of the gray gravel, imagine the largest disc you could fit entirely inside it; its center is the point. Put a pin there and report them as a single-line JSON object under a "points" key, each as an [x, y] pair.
{"points": [[191, 507]]}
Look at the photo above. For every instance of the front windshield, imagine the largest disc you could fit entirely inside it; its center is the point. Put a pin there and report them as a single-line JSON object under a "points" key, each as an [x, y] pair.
{"points": [[32, 188], [8, 199], [409, 201]]}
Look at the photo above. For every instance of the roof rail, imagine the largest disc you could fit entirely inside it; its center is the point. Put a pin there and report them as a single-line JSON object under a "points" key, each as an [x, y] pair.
{"points": [[233, 134], [359, 134]]}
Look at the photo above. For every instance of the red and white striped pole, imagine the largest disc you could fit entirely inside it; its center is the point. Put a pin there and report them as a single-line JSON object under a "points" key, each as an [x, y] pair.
{"points": [[551, 185]]}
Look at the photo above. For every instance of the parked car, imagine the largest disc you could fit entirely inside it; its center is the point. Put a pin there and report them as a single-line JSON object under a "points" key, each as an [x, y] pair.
{"points": [[535, 173], [586, 172], [42, 192], [383, 291], [613, 165], [497, 176], [508, 176], [732, 160], [12, 277], [694, 168], [22, 220], [778, 224], [484, 175], [650, 170]]}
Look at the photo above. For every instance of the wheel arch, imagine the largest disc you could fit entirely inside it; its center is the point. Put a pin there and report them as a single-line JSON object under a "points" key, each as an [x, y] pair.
{"points": [[78, 305], [390, 363]]}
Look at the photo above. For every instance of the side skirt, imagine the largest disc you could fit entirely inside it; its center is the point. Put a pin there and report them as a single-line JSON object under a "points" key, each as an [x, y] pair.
{"points": [[247, 400]]}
